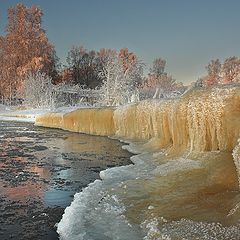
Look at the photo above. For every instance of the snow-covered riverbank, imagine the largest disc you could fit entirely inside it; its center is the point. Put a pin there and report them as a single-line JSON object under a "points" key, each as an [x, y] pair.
{"points": [[23, 114], [15, 113]]}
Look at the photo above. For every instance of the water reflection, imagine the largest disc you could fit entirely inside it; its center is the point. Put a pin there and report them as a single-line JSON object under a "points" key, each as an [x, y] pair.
{"points": [[41, 169]]}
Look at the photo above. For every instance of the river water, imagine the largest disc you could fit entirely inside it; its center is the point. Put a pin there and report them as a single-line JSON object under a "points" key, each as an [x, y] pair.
{"points": [[40, 171], [51, 176]]}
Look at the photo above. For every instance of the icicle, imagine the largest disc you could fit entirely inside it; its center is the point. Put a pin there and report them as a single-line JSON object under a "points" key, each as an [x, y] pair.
{"points": [[236, 159]]}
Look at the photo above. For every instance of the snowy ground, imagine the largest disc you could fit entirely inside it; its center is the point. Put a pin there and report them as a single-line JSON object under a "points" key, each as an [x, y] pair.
{"points": [[15, 113]]}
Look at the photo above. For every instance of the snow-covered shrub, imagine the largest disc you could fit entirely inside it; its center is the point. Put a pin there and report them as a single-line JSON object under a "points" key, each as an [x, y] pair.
{"points": [[159, 93], [38, 90]]}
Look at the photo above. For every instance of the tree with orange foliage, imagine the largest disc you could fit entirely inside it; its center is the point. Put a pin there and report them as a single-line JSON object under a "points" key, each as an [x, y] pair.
{"points": [[226, 73], [214, 71], [231, 70], [158, 83], [25, 49], [130, 64]]}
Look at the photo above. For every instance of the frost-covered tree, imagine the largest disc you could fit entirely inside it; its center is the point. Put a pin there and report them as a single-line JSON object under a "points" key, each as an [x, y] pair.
{"points": [[38, 90], [131, 66], [121, 74], [158, 83]]}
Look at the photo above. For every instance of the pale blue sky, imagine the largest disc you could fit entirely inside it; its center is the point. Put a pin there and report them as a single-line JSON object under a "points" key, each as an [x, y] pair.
{"points": [[187, 33]]}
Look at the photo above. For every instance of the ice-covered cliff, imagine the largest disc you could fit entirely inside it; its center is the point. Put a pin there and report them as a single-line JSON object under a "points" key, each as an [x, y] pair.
{"points": [[96, 121], [201, 120]]}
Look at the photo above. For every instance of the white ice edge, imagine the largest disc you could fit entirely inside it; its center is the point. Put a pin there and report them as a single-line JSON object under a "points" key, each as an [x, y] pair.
{"points": [[29, 115], [98, 212], [17, 119]]}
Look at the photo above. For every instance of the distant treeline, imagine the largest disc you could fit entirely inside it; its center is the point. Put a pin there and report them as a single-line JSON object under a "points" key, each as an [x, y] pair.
{"points": [[25, 52]]}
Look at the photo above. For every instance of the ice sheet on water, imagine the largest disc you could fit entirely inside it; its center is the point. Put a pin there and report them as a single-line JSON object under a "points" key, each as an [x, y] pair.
{"points": [[96, 213], [179, 164], [141, 168], [184, 229], [132, 148]]}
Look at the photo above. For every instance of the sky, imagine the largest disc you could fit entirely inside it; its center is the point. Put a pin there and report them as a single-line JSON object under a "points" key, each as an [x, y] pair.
{"points": [[186, 33]]}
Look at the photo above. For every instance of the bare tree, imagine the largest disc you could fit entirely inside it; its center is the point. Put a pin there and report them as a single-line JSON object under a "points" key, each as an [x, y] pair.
{"points": [[158, 67], [84, 66]]}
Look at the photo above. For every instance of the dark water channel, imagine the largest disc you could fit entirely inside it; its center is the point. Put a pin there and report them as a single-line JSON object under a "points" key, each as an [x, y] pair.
{"points": [[41, 169]]}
